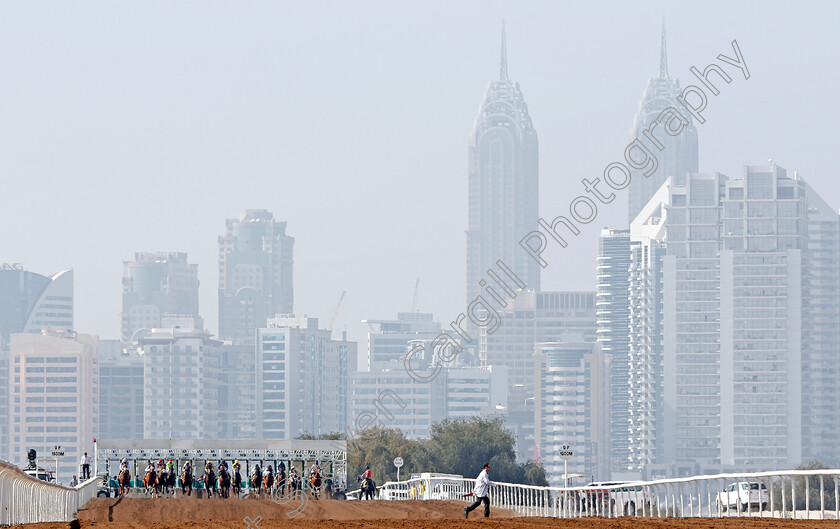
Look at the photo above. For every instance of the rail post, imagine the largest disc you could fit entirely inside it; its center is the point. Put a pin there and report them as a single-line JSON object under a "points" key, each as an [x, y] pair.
{"points": [[708, 498], [822, 497], [807, 498]]}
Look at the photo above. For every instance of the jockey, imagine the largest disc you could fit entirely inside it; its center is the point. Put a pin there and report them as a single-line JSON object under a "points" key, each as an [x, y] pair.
{"points": [[268, 471], [171, 466], [160, 465], [367, 473], [187, 467], [150, 467], [124, 464], [236, 466], [256, 469], [208, 467], [314, 468], [222, 465]]}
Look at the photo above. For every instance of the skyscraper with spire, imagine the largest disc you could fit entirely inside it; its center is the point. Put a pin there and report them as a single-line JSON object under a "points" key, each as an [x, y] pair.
{"points": [[679, 153], [503, 183]]}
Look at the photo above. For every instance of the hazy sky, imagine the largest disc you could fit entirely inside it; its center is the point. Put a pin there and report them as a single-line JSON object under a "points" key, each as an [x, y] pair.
{"points": [[143, 126]]}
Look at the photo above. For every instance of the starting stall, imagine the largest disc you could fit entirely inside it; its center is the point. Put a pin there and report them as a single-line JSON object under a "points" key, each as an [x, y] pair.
{"points": [[331, 456]]}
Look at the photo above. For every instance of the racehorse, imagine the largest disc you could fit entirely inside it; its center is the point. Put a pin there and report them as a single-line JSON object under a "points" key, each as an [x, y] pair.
{"points": [[268, 482], [150, 482], [315, 483], [367, 489], [256, 481], [124, 481], [210, 483], [186, 483], [281, 482], [161, 480], [224, 483], [237, 482], [294, 483], [171, 481]]}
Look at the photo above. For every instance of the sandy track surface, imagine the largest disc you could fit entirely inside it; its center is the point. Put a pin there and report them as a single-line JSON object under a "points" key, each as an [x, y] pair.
{"points": [[192, 513], [193, 509]]}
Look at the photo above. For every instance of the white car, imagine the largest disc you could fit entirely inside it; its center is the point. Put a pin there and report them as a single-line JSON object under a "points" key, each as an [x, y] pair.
{"points": [[744, 495]]}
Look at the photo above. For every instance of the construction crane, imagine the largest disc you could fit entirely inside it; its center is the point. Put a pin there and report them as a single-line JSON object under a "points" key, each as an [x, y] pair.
{"points": [[335, 312], [414, 301]]}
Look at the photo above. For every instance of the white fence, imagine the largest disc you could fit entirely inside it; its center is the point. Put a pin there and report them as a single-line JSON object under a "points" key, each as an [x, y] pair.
{"points": [[796, 494], [24, 499]]}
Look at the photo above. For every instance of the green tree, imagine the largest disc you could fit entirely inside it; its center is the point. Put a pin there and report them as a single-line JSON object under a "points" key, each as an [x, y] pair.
{"points": [[456, 446], [813, 489]]}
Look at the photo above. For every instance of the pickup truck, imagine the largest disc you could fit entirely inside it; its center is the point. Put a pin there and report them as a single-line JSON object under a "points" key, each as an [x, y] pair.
{"points": [[743, 494]]}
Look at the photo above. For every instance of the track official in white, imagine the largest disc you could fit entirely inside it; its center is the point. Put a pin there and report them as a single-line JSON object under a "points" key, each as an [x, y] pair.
{"points": [[480, 492]]}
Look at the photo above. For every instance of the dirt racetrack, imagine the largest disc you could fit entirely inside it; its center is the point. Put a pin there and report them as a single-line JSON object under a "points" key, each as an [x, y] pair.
{"points": [[192, 513]]}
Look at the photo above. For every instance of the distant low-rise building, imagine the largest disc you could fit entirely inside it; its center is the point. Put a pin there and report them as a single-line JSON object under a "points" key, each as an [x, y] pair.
{"points": [[413, 402], [397, 400]]}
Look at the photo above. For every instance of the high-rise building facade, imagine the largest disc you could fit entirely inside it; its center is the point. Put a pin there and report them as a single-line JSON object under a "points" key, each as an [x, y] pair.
{"points": [[530, 318], [32, 302], [745, 378], [503, 184], [475, 391], [120, 391], [255, 274], [5, 441], [54, 398], [155, 284], [302, 378], [676, 155], [821, 330], [571, 409], [644, 379], [612, 306], [237, 391], [180, 399]]}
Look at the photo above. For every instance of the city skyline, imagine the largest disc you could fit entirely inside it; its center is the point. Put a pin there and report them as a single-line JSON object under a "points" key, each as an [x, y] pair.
{"points": [[435, 254]]}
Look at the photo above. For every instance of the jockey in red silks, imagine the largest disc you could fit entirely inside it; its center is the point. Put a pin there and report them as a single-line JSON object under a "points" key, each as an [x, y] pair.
{"points": [[367, 473]]}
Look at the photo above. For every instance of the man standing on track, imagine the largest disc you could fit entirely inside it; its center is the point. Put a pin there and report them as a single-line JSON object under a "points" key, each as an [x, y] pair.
{"points": [[481, 490]]}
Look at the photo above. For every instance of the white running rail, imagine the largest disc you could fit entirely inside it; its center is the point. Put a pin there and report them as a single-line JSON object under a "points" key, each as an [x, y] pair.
{"points": [[795, 494], [24, 499]]}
